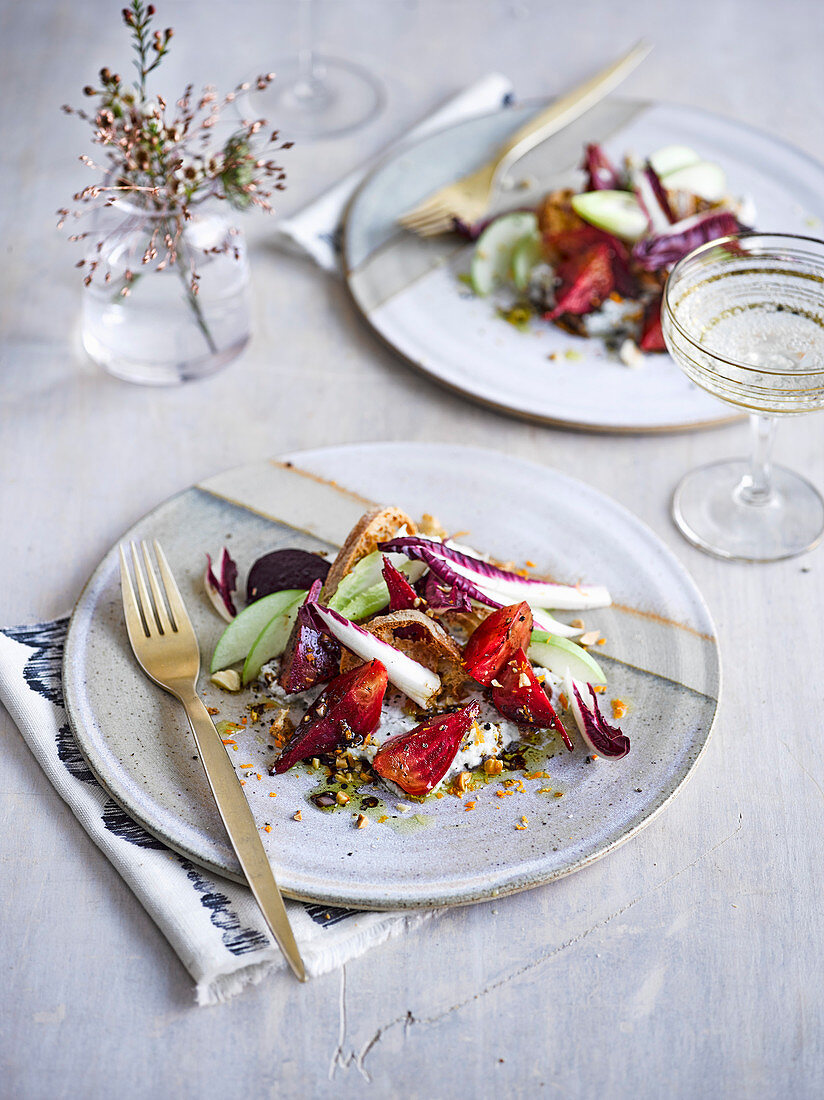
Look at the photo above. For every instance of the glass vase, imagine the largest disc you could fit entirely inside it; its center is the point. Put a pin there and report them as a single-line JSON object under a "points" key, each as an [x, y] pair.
{"points": [[168, 300]]}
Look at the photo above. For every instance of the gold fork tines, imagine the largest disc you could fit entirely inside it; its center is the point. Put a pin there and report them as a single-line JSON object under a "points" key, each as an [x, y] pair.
{"points": [[468, 199], [165, 645]]}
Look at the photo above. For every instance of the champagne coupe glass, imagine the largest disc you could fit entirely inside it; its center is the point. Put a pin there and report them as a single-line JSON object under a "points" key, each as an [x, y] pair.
{"points": [[744, 319], [314, 95]]}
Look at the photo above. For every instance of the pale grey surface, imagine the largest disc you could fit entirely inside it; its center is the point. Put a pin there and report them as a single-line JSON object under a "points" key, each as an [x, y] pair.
{"points": [[687, 963]]}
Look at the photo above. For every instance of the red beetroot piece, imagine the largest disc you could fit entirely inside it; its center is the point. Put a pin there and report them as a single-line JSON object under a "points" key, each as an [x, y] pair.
{"points": [[346, 712], [402, 596], [418, 760], [652, 338], [586, 281], [312, 655], [497, 640], [519, 695]]}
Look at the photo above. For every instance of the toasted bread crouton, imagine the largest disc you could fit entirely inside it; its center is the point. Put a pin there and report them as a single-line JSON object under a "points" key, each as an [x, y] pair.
{"points": [[376, 526], [555, 213], [421, 638]]}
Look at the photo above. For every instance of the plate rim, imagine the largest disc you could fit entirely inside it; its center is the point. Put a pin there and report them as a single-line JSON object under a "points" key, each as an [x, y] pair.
{"points": [[519, 883], [529, 417]]}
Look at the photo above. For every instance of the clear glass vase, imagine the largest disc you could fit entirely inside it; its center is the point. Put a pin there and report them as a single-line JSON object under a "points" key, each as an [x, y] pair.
{"points": [[143, 320]]}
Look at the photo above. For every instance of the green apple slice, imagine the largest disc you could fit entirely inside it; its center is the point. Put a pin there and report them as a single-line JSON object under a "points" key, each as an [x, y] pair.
{"points": [[704, 179], [673, 157], [242, 632], [616, 212], [525, 255], [565, 658], [492, 258], [271, 641]]}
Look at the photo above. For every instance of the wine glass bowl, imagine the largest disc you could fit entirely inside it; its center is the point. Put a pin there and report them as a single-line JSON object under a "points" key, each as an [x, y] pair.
{"points": [[744, 319]]}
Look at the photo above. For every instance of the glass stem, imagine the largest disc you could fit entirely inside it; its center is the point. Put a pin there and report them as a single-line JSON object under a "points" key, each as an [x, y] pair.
{"points": [[306, 45], [756, 486]]}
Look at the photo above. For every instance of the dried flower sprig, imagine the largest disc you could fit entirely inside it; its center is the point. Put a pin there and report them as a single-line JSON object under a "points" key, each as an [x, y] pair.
{"points": [[164, 160]]}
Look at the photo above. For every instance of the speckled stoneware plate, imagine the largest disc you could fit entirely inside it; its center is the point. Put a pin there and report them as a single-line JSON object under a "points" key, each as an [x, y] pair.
{"points": [[410, 293], [661, 656]]}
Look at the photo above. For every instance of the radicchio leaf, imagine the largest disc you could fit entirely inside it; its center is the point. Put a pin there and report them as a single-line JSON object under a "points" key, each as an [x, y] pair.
{"points": [[469, 572], [402, 595], [220, 581], [664, 249], [602, 175], [604, 740], [652, 198], [413, 679], [442, 598]]}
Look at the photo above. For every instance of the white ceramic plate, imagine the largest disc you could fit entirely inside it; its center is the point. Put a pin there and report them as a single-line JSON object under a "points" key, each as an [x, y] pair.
{"points": [[409, 291], [661, 656]]}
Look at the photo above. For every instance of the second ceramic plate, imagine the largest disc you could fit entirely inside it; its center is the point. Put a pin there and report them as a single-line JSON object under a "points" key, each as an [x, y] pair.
{"points": [[409, 290], [661, 657]]}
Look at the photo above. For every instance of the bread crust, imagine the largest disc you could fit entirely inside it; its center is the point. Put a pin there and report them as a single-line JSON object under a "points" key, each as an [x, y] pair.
{"points": [[373, 527]]}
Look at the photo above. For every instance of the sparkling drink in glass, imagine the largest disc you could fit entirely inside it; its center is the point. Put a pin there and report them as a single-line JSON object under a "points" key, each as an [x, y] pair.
{"points": [[744, 319]]}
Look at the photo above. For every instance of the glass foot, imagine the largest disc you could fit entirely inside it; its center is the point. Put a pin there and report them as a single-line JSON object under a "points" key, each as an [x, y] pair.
{"points": [[711, 510], [339, 96]]}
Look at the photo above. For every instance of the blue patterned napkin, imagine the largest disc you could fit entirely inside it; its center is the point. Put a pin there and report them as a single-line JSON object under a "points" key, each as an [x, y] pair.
{"points": [[214, 925]]}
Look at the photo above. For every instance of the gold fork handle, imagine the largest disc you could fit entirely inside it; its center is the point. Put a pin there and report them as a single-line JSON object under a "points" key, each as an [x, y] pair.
{"points": [[241, 827], [567, 108]]}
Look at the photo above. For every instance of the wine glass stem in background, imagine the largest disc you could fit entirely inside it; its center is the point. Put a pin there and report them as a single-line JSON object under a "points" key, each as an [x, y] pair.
{"points": [[306, 49], [756, 486]]}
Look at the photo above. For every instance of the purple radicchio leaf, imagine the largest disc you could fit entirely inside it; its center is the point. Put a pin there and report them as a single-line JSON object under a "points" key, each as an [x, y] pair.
{"points": [[510, 587], [441, 598], [652, 198], [602, 175], [604, 739], [665, 249], [220, 581], [401, 593]]}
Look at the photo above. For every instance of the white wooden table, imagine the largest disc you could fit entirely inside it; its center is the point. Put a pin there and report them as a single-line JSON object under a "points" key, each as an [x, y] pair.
{"points": [[689, 962]]}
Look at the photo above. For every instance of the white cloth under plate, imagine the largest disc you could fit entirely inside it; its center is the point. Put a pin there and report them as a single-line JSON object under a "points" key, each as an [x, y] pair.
{"points": [[214, 925], [315, 230]]}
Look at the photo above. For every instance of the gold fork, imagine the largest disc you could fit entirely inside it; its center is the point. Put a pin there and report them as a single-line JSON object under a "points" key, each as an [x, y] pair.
{"points": [[164, 643], [469, 198]]}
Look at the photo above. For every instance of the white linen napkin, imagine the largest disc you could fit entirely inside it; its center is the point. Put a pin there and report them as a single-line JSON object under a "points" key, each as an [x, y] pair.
{"points": [[315, 230], [214, 925]]}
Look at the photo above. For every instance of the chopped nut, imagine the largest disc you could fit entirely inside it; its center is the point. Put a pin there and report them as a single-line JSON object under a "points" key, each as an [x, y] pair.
{"points": [[361, 822], [281, 724], [590, 638], [523, 680], [228, 679], [297, 816], [463, 781], [341, 798], [493, 767], [578, 624]]}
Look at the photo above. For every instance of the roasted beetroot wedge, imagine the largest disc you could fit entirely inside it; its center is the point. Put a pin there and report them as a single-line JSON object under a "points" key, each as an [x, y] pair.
{"points": [[519, 695], [497, 640], [346, 712], [652, 338], [418, 760], [312, 655], [586, 280], [402, 596]]}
